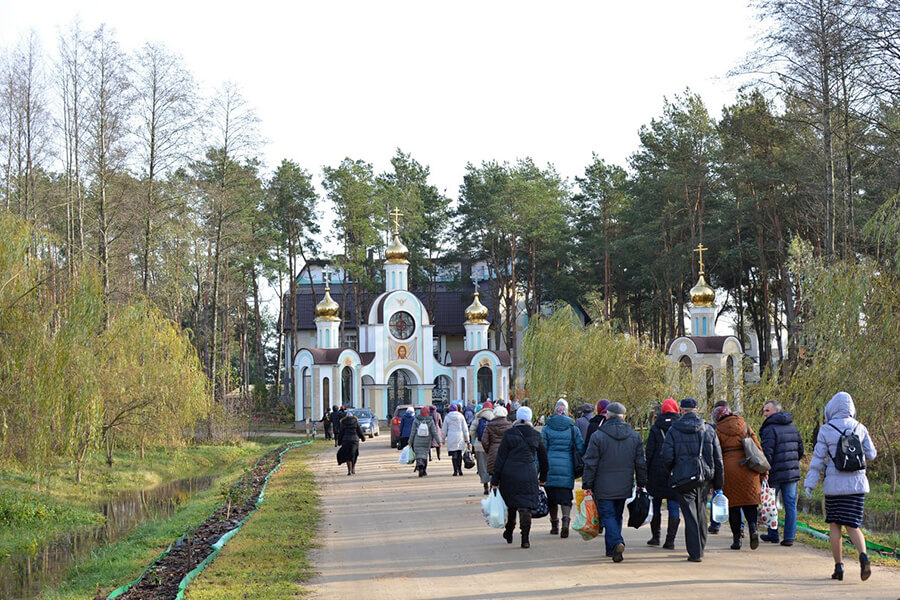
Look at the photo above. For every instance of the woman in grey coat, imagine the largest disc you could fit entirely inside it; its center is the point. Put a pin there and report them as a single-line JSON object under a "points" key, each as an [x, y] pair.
{"points": [[845, 491], [420, 441]]}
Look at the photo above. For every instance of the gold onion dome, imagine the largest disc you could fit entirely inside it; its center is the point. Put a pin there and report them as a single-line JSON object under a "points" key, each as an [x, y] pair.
{"points": [[702, 294], [477, 313], [327, 309], [396, 252]]}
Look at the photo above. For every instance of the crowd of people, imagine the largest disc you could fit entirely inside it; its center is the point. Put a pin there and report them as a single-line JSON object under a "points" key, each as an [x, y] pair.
{"points": [[683, 460]]}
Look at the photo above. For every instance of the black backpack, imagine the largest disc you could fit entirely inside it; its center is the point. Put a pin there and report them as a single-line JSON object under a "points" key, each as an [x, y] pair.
{"points": [[848, 455]]}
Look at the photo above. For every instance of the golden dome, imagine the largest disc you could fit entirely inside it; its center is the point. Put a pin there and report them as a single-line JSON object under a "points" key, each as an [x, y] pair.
{"points": [[702, 295], [328, 309], [396, 253], [477, 313]]}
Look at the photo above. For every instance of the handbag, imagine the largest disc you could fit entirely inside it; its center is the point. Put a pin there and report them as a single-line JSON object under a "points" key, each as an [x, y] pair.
{"points": [[468, 461], [638, 509], [577, 459], [543, 507], [688, 475], [769, 511], [755, 458]]}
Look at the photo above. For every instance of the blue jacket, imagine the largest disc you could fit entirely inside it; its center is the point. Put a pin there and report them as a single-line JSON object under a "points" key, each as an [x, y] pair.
{"points": [[406, 422], [558, 435], [783, 447], [841, 413]]}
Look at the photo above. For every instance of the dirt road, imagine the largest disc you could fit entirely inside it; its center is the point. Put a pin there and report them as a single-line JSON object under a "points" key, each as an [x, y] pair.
{"points": [[387, 534]]}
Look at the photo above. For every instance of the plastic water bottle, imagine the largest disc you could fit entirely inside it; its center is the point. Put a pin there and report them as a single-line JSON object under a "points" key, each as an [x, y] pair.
{"points": [[720, 507]]}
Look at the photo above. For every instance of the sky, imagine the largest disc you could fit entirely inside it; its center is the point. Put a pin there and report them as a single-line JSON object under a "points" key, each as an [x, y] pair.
{"points": [[448, 82]]}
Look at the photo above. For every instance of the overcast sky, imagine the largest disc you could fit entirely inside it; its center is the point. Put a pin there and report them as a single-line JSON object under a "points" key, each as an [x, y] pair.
{"points": [[448, 82]]}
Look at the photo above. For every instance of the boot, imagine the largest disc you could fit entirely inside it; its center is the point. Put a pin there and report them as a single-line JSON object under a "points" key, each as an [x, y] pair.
{"points": [[525, 526], [736, 545], [554, 526], [564, 532], [486, 489], [671, 532], [655, 524], [510, 526], [865, 567], [353, 468], [838, 571]]}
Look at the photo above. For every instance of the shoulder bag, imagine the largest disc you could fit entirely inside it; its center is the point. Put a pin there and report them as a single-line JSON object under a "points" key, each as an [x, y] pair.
{"points": [[754, 459]]}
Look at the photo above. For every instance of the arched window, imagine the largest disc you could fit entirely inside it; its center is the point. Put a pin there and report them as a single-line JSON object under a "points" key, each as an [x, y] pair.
{"points": [[462, 388], [485, 383], [398, 390], [710, 383], [306, 393], [326, 394], [685, 365], [729, 378], [347, 386]]}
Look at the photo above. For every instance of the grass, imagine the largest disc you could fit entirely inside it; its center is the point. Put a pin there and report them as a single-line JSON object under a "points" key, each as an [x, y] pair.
{"points": [[268, 557], [849, 551]]}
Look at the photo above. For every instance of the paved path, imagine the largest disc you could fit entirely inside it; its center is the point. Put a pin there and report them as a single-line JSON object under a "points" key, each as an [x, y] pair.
{"points": [[387, 534]]}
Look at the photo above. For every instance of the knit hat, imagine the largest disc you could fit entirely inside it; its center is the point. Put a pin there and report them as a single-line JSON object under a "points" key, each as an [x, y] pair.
{"points": [[523, 413], [453, 408], [500, 411], [720, 412], [688, 403], [601, 406], [487, 405], [587, 409], [669, 406], [616, 408]]}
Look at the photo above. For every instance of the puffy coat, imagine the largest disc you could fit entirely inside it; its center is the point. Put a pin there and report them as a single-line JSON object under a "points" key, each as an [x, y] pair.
{"points": [[350, 435], [840, 412], [657, 474], [456, 432], [491, 438], [486, 415], [515, 471], [421, 445], [560, 436], [783, 446], [682, 446], [742, 485], [614, 457], [406, 422]]}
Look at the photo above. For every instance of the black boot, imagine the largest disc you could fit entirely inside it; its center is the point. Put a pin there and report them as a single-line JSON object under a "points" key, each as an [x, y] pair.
{"points": [[554, 526], [671, 532], [736, 545], [564, 532], [486, 489], [865, 567], [838, 571], [525, 526], [655, 524], [510, 526]]}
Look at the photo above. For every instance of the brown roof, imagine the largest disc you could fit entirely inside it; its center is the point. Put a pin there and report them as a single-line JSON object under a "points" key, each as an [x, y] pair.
{"points": [[712, 344], [462, 358]]}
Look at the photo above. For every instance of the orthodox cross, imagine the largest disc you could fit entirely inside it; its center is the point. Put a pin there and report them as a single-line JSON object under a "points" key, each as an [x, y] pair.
{"points": [[396, 214], [326, 276], [700, 248], [475, 281]]}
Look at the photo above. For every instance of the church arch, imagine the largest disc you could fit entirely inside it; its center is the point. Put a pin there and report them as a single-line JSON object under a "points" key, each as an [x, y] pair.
{"points": [[399, 390], [441, 391], [347, 386], [485, 383]]}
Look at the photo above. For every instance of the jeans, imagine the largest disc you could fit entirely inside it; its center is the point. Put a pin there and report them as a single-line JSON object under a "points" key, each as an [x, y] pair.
{"points": [[788, 493], [610, 513], [671, 507]]}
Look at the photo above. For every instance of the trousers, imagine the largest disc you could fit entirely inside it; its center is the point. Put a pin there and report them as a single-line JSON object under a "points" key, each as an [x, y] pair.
{"points": [[693, 514]]}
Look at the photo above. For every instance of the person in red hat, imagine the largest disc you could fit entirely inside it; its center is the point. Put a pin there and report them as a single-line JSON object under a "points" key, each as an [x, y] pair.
{"points": [[658, 477]]}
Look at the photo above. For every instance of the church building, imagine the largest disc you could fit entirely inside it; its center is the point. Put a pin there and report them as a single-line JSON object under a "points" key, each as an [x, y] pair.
{"points": [[395, 363]]}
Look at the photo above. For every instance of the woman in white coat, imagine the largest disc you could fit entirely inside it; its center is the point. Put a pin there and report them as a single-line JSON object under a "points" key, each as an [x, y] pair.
{"points": [[456, 436]]}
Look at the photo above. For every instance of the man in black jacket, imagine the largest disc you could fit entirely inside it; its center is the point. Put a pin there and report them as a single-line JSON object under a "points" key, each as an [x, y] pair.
{"points": [[692, 455], [612, 462], [783, 447]]}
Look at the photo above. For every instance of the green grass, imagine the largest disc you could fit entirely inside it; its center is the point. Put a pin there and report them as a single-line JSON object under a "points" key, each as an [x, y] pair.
{"points": [[268, 557]]}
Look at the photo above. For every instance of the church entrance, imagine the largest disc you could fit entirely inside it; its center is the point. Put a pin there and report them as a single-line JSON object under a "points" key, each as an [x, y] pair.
{"points": [[398, 391], [485, 383]]}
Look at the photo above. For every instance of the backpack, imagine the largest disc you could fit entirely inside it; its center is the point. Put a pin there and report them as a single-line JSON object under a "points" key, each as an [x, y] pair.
{"points": [[422, 430], [482, 424], [848, 455]]}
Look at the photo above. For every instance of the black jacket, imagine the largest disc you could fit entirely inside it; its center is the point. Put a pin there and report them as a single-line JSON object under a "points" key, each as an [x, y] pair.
{"points": [[350, 431], [594, 424], [783, 447], [681, 449], [514, 469], [657, 474], [336, 416], [614, 458]]}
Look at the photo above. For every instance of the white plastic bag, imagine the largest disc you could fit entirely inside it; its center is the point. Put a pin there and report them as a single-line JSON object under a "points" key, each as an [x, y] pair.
{"points": [[405, 455], [768, 510], [494, 510]]}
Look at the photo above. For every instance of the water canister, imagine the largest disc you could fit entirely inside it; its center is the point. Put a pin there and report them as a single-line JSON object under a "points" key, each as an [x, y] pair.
{"points": [[720, 507]]}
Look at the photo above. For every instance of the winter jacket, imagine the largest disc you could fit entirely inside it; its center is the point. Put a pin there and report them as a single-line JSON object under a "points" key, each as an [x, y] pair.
{"points": [[582, 423], [490, 440], [336, 417], [351, 432], [406, 422], [438, 424], [783, 446], [840, 412], [682, 447], [615, 456], [421, 445], [742, 485], [481, 420], [560, 436], [594, 424], [469, 413], [455, 431], [515, 471], [657, 474]]}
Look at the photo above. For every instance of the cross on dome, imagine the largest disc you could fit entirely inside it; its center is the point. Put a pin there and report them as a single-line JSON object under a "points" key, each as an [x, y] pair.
{"points": [[396, 214], [700, 248]]}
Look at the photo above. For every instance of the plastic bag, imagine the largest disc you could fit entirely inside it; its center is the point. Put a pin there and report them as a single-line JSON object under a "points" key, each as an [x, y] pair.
{"points": [[494, 510], [406, 456], [768, 512], [639, 509], [543, 507], [587, 521]]}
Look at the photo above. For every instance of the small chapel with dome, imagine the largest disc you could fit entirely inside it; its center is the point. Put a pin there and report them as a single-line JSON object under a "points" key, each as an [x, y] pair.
{"points": [[395, 363]]}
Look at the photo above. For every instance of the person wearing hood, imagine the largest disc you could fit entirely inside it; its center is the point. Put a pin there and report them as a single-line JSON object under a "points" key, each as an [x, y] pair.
{"points": [[456, 436], [515, 474], [613, 463], [439, 424], [742, 485], [596, 421], [845, 491], [582, 422], [406, 423], [493, 434], [783, 447], [561, 439], [484, 416], [336, 416], [350, 435], [693, 457], [422, 436], [658, 477]]}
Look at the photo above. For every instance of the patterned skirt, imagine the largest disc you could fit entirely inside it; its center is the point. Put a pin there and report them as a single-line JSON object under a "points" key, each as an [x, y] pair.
{"points": [[845, 510]]}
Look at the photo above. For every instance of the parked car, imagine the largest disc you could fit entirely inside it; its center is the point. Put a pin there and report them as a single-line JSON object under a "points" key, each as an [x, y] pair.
{"points": [[368, 422], [395, 422]]}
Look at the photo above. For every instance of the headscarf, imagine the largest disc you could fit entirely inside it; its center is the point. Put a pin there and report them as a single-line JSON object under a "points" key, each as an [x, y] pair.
{"points": [[410, 410], [562, 407], [425, 411], [453, 408], [432, 409], [524, 414], [720, 412], [601, 406], [670, 406], [487, 405]]}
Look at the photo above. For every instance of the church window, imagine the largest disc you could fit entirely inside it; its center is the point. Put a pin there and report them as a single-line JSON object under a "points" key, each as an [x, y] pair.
{"points": [[327, 338], [347, 386], [306, 392], [402, 325], [326, 393], [710, 383], [704, 325], [462, 388]]}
